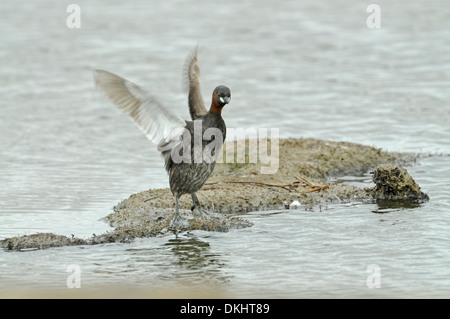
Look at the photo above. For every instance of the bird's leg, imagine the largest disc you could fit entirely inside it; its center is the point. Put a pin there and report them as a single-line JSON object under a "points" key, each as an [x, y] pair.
{"points": [[177, 221], [198, 210]]}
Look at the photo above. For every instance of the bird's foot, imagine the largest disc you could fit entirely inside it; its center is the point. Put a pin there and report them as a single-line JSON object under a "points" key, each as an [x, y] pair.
{"points": [[178, 222], [206, 213]]}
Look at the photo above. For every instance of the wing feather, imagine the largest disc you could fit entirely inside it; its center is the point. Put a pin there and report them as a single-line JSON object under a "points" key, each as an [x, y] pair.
{"points": [[191, 76], [161, 125]]}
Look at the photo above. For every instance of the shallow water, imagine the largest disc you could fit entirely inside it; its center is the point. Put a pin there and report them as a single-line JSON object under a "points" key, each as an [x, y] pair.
{"points": [[312, 69]]}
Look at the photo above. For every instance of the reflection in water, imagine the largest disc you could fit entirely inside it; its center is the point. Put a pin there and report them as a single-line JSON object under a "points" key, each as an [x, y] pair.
{"points": [[389, 206], [195, 262]]}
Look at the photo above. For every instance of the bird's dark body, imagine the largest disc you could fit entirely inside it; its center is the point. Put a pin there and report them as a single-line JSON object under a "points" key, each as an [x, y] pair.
{"points": [[162, 127], [187, 178]]}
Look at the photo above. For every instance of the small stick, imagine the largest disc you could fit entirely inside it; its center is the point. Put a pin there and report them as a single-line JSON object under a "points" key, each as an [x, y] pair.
{"points": [[284, 186], [150, 198]]}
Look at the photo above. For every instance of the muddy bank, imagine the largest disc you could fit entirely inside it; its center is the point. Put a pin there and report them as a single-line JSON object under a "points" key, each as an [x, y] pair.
{"points": [[40, 241], [304, 169]]}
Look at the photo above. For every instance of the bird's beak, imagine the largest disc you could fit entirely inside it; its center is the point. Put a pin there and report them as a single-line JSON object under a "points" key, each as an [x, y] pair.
{"points": [[226, 100]]}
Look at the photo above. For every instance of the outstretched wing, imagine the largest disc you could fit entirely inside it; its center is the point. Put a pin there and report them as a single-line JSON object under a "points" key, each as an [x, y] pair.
{"points": [[161, 125], [191, 77]]}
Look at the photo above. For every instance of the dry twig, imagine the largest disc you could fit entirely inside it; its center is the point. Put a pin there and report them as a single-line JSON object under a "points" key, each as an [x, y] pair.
{"points": [[291, 187]]}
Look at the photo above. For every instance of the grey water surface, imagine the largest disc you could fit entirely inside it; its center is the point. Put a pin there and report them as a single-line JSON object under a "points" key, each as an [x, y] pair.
{"points": [[309, 68]]}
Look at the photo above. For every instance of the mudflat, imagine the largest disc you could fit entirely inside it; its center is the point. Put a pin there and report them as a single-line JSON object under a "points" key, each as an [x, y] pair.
{"points": [[302, 180]]}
